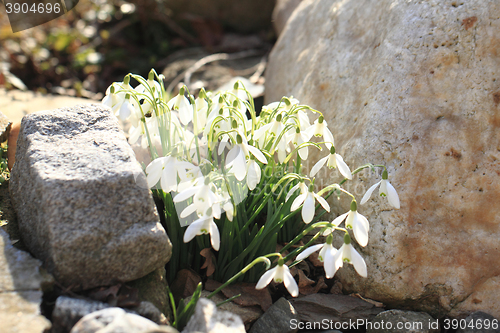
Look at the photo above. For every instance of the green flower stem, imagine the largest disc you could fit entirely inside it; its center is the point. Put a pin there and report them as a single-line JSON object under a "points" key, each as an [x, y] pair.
{"points": [[244, 270]]}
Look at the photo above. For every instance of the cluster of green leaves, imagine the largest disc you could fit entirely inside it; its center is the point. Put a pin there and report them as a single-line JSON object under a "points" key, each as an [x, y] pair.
{"points": [[4, 170]]}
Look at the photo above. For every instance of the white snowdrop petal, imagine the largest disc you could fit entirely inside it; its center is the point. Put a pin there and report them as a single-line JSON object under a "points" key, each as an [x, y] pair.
{"points": [[368, 193], [290, 283], [266, 278], [323, 202], [342, 166], [392, 196], [298, 201], [318, 166], [310, 250], [308, 208], [358, 262]]}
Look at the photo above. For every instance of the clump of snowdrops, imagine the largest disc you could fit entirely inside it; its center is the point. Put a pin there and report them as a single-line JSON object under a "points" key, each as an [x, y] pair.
{"points": [[232, 179]]}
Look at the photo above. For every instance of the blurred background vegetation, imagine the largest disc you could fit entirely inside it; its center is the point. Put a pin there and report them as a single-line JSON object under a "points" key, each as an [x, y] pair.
{"points": [[99, 41]]}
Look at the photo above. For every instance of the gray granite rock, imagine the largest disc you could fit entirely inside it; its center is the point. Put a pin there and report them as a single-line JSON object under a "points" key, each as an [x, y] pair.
{"points": [[207, 319], [114, 320], [22, 281], [5, 125], [68, 311], [81, 199], [479, 322], [153, 288], [398, 321], [413, 85], [277, 318]]}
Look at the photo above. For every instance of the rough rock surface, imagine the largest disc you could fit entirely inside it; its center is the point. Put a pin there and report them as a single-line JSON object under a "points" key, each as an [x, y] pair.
{"points": [[5, 125], [68, 311], [82, 203], [113, 320], [414, 85], [277, 318], [207, 319], [153, 288], [397, 321], [21, 283], [480, 322], [337, 308]]}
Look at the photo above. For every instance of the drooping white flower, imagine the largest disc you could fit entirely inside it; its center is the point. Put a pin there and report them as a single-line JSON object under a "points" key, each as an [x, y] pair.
{"points": [[204, 225], [165, 168], [333, 160], [183, 107], [385, 190], [326, 255], [237, 157], [355, 221], [297, 138], [280, 273], [253, 174], [204, 199], [320, 128], [303, 190], [308, 201], [347, 253]]}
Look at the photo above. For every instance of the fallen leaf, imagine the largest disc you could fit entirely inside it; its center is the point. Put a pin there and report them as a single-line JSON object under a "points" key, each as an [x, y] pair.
{"points": [[249, 295], [313, 258], [308, 290], [209, 263], [185, 284], [105, 294], [336, 288], [304, 281], [127, 297]]}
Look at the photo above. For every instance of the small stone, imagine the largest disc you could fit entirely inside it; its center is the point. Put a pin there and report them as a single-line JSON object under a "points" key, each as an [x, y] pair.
{"points": [[153, 288], [5, 125], [277, 319], [207, 319], [114, 320], [398, 321], [21, 283], [82, 201], [480, 322], [68, 311], [248, 314], [337, 308]]}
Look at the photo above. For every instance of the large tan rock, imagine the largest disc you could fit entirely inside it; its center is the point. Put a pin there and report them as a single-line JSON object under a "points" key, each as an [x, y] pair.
{"points": [[414, 85]]}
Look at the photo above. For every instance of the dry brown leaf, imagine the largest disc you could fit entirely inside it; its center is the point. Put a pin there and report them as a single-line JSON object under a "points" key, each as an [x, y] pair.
{"points": [[249, 295], [336, 288], [185, 284], [313, 258], [377, 304], [304, 281], [105, 294], [308, 290], [209, 263]]}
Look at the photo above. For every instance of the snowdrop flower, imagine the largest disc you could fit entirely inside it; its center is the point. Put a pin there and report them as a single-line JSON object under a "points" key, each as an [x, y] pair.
{"points": [[303, 190], [298, 138], [355, 221], [385, 190], [126, 109], [182, 105], [333, 160], [237, 156], [308, 199], [320, 128], [167, 168], [326, 255], [153, 85], [347, 253], [253, 173], [204, 225], [203, 199], [280, 273]]}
